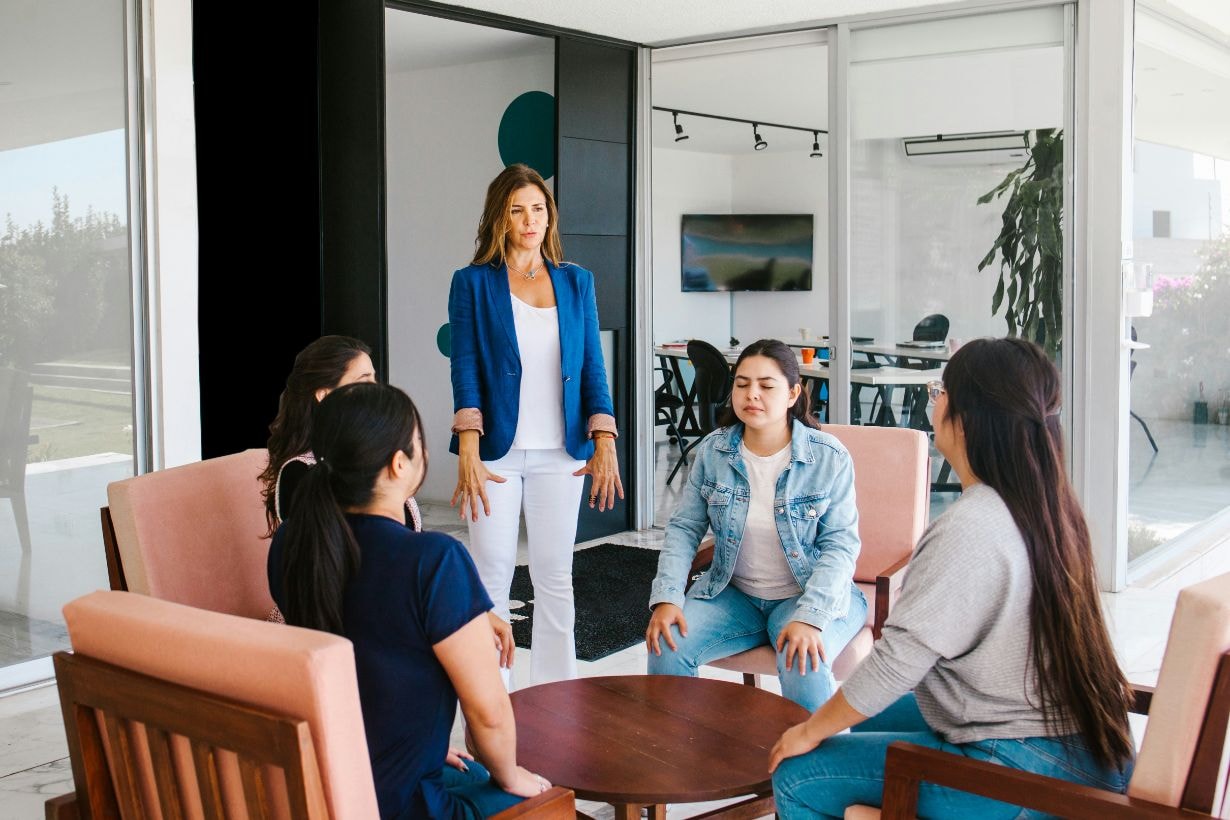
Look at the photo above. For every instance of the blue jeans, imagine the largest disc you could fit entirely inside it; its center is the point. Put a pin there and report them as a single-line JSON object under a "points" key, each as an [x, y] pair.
{"points": [[848, 769], [732, 622], [475, 791]]}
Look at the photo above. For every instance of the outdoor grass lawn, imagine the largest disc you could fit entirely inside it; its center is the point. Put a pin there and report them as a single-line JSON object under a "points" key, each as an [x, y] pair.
{"points": [[71, 422]]}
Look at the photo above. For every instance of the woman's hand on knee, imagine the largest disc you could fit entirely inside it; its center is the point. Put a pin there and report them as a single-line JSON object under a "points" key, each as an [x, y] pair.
{"points": [[795, 741], [660, 627], [457, 759], [803, 641], [472, 478]]}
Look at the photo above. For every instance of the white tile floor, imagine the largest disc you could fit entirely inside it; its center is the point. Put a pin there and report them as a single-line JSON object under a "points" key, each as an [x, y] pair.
{"points": [[33, 764]]}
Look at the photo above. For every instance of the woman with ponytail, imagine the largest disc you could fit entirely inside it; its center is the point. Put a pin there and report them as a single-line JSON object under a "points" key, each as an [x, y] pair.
{"points": [[345, 561], [998, 630], [779, 496]]}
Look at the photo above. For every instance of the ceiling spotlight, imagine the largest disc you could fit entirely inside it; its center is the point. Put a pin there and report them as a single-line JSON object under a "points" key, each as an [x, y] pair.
{"points": [[760, 143], [815, 144], [679, 135]]}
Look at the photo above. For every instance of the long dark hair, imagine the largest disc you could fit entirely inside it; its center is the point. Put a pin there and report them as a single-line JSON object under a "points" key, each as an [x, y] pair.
{"points": [[783, 355], [358, 430], [491, 243], [1006, 394], [320, 365]]}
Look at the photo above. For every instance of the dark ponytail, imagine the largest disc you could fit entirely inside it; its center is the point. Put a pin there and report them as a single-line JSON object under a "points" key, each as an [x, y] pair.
{"points": [[356, 431], [783, 355]]}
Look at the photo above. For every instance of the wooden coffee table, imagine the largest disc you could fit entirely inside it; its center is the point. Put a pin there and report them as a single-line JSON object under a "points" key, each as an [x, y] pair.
{"points": [[649, 740]]}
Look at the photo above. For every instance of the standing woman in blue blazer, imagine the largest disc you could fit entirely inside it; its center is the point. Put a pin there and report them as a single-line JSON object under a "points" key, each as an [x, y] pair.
{"points": [[532, 413]]}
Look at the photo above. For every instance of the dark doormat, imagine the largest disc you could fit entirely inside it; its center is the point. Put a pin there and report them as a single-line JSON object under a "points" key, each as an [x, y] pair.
{"points": [[611, 587]]}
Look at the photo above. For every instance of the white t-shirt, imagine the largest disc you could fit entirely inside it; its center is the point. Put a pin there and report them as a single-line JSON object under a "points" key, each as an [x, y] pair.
{"points": [[761, 569], [540, 421]]}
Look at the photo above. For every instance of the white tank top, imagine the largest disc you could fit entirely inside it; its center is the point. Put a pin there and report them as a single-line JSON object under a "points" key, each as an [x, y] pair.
{"points": [[540, 417]]}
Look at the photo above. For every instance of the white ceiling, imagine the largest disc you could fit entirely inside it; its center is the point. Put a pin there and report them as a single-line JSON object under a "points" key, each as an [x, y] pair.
{"points": [[654, 22], [417, 41]]}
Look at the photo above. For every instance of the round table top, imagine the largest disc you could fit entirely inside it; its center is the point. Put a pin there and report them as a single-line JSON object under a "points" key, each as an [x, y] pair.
{"points": [[651, 739]]}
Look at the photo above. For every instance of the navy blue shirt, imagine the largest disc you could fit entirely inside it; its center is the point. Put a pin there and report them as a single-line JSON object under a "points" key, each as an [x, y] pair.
{"points": [[413, 590]]}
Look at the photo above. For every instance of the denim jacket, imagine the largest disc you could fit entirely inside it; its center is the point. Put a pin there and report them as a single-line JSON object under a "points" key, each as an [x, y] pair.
{"points": [[817, 522]]}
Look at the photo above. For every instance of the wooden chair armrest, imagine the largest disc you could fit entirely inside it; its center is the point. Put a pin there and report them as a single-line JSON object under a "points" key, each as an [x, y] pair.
{"points": [[63, 807], [1142, 698], [555, 803], [888, 581], [907, 765]]}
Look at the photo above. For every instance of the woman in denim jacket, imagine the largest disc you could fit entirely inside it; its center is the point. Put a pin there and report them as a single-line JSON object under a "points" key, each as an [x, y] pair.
{"points": [[779, 497]]}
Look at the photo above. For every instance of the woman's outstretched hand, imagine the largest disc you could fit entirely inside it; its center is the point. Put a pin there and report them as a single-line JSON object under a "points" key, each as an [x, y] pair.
{"points": [[472, 478], [660, 627], [603, 470]]}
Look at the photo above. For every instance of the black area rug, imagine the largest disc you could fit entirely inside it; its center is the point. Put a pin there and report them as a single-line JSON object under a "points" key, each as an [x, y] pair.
{"points": [[611, 586]]}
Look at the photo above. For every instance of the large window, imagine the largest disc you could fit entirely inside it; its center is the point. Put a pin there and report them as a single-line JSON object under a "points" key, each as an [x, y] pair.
{"points": [[942, 114], [1179, 437], [66, 393]]}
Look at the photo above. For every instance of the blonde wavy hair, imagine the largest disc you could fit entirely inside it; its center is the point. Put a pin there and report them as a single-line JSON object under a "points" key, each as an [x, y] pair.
{"points": [[491, 243]]}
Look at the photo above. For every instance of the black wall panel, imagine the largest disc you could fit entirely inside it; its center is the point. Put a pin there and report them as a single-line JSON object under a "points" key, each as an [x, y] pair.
{"points": [[596, 89], [594, 93], [607, 257], [352, 168], [595, 176], [258, 220]]}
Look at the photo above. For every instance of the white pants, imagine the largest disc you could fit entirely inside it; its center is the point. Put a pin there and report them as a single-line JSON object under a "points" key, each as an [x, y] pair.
{"points": [[542, 482]]}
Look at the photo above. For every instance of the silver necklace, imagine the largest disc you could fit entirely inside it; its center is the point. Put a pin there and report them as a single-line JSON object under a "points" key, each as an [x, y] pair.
{"points": [[530, 274]]}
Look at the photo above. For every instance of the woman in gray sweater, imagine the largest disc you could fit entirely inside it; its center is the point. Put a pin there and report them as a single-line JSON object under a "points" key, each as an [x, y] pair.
{"points": [[997, 648]]}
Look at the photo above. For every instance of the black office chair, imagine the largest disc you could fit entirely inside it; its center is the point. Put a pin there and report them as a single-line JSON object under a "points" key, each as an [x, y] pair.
{"points": [[666, 406], [711, 389], [933, 328], [1132, 372]]}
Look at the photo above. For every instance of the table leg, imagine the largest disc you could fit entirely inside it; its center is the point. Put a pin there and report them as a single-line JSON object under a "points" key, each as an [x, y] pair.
{"points": [[632, 811]]}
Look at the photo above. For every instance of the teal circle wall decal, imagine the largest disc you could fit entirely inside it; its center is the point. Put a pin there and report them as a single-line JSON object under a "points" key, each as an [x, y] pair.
{"points": [[527, 132], [444, 340]]}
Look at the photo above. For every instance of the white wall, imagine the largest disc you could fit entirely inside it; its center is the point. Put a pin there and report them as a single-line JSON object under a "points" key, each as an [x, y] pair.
{"points": [[694, 182], [917, 235], [686, 182], [442, 151]]}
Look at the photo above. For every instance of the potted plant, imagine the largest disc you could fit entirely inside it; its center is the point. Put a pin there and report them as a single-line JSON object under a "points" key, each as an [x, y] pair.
{"points": [[1030, 244]]}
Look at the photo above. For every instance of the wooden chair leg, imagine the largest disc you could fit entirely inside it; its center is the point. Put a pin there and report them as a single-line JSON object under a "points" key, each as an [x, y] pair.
{"points": [[751, 680]]}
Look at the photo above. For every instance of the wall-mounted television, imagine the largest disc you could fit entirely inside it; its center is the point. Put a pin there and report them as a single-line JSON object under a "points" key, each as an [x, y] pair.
{"points": [[741, 252]]}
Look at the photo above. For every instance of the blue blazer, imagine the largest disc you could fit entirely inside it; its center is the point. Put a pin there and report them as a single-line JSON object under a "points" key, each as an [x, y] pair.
{"points": [[486, 361]]}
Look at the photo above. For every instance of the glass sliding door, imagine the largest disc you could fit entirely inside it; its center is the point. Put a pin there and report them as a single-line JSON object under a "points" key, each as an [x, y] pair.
{"points": [[1179, 435], [740, 210], [66, 325], [953, 123]]}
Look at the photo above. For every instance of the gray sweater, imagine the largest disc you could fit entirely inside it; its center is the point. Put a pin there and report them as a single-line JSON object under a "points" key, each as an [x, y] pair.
{"points": [[959, 634]]}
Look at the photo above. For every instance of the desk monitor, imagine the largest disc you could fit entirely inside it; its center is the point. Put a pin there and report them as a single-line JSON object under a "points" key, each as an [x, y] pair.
{"points": [[746, 252]]}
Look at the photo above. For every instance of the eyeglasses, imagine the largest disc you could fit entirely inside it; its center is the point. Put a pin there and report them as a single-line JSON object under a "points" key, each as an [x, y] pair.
{"points": [[934, 389]]}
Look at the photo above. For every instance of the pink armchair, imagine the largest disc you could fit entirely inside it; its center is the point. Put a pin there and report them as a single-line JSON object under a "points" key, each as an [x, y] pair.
{"points": [[173, 711], [891, 484], [1182, 769], [193, 534]]}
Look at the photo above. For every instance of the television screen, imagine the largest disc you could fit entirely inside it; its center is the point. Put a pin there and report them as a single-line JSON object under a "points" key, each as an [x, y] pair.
{"points": [[732, 252]]}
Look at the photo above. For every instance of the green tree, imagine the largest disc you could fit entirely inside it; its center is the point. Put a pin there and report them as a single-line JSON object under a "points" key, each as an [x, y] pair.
{"points": [[61, 284]]}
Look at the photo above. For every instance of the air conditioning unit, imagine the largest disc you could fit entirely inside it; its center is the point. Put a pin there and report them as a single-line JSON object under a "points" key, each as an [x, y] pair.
{"points": [[987, 148]]}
